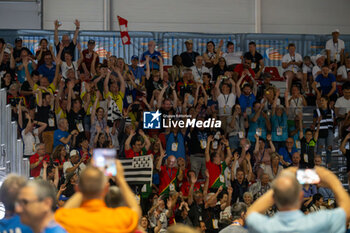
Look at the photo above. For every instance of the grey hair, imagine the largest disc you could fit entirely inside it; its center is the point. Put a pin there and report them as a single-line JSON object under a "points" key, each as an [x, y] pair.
{"points": [[237, 210], [43, 189], [9, 190], [38, 145], [286, 190], [248, 193]]}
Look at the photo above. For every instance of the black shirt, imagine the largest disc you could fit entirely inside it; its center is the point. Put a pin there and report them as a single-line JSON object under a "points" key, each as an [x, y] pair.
{"points": [[347, 155], [195, 141], [209, 216], [17, 52], [75, 119], [309, 149], [188, 59], [196, 213], [255, 59], [44, 114], [70, 49], [239, 190]]}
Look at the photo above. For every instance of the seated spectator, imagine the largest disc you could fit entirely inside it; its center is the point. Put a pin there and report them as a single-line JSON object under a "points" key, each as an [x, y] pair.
{"points": [[244, 72], [307, 74], [68, 45], [309, 190], [335, 48], [75, 164], [296, 160], [62, 136], [189, 56], [327, 83], [343, 72], [176, 70], [346, 153], [287, 152], [153, 55], [36, 160], [317, 203], [211, 56], [51, 174], [248, 198], [59, 157], [342, 109], [325, 115], [296, 102], [38, 198], [199, 69], [76, 214], [232, 58], [48, 68], [261, 186], [317, 69], [291, 63], [9, 191], [257, 59], [274, 169]]}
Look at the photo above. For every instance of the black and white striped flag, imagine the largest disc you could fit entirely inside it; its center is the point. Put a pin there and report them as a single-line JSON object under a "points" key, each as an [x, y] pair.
{"points": [[138, 170]]}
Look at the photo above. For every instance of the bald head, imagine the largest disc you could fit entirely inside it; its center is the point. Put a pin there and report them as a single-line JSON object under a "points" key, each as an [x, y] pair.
{"points": [[92, 183], [287, 191], [171, 161]]}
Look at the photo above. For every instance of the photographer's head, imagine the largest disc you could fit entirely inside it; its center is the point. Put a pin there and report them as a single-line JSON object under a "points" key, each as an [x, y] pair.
{"points": [[287, 192], [93, 183]]}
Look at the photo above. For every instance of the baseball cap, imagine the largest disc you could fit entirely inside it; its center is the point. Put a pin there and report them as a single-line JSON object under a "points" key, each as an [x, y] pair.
{"points": [[336, 30], [91, 42], [7, 50], [73, 153], [18, 39], [134, 57], [318, 56], [188, 42]]}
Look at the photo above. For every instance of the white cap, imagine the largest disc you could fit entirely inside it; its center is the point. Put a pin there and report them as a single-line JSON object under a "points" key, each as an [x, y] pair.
{"points": [[336, 30], [7, 50], [73, 153], [318, 56]]}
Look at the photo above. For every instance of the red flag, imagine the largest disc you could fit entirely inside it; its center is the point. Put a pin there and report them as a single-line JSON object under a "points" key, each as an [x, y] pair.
{"points": [[123, 25]]}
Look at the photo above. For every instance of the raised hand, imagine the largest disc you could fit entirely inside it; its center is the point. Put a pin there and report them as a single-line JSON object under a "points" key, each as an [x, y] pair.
{"points": [[193, 178], [77, 23], [57, 24]]}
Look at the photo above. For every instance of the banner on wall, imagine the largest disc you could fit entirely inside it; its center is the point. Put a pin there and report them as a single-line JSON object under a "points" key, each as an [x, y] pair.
{"points": [[124, 34]]}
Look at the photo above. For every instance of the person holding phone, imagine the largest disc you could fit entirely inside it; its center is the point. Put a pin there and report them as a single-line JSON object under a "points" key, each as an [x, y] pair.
{"points": [[287, 195], [86, 209]]}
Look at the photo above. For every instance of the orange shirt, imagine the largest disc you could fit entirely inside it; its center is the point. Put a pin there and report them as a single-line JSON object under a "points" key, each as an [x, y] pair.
{"points": [[95, 216]]}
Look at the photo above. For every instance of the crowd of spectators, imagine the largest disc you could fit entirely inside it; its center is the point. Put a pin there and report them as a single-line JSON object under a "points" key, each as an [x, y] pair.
{"points": [[66, 106]]}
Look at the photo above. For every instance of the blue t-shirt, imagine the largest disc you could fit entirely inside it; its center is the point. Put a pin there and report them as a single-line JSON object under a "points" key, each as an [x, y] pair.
{"points": [[279, 122], [326, 83], [246, 101], [287, 157], [253, 126], [154, 55], [57, 135], [13, 224], [324, 221], [170, 139], [47, 72], [53, 227], [138, 73], [21, 74]]}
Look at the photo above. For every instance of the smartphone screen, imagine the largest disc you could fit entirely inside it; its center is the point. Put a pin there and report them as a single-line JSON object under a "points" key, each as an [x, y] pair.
{"points": [[307, 176], [105, 160]]}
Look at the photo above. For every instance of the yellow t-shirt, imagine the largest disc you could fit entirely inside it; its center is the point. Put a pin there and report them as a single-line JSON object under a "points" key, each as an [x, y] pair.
{"points": [[118, 99]]}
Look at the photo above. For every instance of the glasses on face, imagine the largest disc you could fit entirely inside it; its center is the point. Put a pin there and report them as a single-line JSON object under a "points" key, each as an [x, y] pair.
{"points": [[24, 202]]}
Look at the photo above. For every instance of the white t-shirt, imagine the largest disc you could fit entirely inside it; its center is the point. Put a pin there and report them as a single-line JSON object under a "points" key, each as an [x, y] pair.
{"points": [[307, 69], [343, 71], [29, 142], [233, 58], [335, 49], [226, 103], [198, 73], [68, 164], [315, 70], [288, 58], [343, 105], [65, 68]]}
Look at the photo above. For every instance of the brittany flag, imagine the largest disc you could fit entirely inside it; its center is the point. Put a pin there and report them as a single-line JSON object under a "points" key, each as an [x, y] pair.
{"points": [[123, 25]]}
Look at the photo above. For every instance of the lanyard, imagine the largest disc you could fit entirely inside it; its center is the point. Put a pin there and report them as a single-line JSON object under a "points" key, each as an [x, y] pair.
{"points": [[226, 99], [262, 157], [171, 173], [199, 72]]}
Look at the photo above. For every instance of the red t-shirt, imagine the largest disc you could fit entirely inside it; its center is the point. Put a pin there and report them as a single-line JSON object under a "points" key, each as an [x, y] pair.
{"points": [[214, 172], [35, 172], [239, 69], [166, 175], [129, 154]]}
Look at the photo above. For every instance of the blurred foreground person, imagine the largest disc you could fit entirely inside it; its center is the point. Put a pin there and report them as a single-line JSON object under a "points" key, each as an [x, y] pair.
{"points": [[86, 210], [287, 195], [8, 194]]}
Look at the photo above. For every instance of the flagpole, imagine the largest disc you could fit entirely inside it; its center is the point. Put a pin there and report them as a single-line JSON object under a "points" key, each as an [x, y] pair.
{"points": [[121, 39]]}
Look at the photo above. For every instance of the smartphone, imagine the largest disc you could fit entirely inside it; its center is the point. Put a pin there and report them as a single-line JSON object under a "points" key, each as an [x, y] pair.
{"points": [[104, 159], [307, 176]]}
